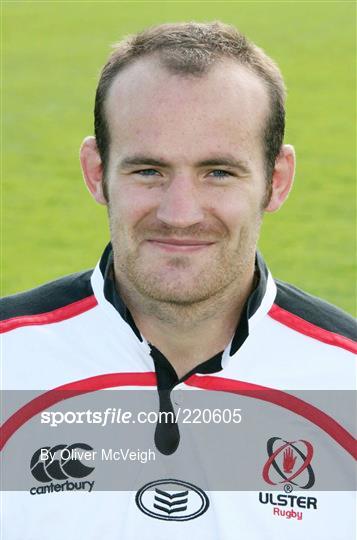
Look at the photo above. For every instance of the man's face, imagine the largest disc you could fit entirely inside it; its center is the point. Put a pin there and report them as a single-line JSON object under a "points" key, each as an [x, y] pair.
{"points": [[186, 179]]}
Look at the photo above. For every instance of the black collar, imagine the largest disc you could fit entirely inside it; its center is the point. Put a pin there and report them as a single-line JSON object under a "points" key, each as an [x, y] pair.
{"points": [[166, 374]]}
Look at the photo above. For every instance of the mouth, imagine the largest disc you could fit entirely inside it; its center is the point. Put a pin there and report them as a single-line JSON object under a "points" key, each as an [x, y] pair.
{"points": [[182, 245]]}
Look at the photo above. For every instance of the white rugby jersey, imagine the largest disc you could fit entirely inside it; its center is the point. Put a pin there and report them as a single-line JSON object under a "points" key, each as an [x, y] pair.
{"points": [[284, 470]]}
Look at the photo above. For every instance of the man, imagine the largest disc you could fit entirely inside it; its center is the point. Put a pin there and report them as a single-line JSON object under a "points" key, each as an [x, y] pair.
{"points": [[188, 154]]}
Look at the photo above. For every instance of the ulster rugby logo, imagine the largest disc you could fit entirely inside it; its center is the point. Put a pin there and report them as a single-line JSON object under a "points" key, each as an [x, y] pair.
{"points": [[289, 463], [172, 500]]}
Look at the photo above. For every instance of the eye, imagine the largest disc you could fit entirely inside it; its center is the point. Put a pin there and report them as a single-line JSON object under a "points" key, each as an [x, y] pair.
{"points": [[220, 173], [147, 172]]}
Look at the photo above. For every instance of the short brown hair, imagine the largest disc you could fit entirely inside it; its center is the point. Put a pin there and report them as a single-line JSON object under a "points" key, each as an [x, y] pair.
{"points": [[191, 48]]}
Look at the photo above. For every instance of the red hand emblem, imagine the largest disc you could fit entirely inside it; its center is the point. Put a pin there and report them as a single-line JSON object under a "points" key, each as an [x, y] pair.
{"points": [[288, 460]]}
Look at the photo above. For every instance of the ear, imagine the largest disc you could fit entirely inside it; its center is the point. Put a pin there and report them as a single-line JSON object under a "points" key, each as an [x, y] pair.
{"points": [[283, 178], [92, 169]]}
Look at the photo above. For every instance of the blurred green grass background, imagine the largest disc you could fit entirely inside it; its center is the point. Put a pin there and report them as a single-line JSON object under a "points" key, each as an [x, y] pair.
{"points": [[51, 56]]}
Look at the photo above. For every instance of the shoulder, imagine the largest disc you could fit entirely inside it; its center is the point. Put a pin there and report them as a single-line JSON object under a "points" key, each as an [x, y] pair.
{"points": [[314, 317], [64, 297]]}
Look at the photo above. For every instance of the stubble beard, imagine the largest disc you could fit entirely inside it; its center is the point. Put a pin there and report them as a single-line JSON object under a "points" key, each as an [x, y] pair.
{"points": [[200, 295]]}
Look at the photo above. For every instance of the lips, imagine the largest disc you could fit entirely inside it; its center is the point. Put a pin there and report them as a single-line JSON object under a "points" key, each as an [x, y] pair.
{"points": [[179, 244]]}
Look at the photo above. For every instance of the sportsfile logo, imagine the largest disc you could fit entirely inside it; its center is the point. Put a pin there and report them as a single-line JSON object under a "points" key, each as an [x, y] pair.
{"points": [[289, 465], [61, 462]]}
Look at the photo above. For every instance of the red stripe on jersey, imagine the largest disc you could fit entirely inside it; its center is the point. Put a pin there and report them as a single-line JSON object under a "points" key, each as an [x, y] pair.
{"points": [[66, 391], [282, 399], [112, 380], [57, 315], [308, 329]]}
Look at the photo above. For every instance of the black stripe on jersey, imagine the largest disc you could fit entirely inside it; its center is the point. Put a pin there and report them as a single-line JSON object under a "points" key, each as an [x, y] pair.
{"points": [[103, 263], [48, 297], [315, 311], [251, 305], [110, 290]]}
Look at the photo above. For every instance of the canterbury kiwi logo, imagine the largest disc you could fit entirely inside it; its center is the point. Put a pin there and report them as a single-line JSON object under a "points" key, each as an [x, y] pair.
{"points": [[59, 462]]}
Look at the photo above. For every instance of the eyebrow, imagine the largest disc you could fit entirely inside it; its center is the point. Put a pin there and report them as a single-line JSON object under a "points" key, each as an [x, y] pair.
{"points": [[224, 161], [141, 160], [217, 161]]}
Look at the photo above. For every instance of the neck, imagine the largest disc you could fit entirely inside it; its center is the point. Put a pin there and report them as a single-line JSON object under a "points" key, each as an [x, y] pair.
{"points": [[188, 335]]}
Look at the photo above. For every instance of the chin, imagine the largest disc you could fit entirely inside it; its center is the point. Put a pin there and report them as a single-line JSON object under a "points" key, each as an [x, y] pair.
{"points": [[177, 299], [176, 292]]}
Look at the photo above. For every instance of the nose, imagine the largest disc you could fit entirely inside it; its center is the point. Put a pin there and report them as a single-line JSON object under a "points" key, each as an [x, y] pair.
{"points": [[181, 204]]}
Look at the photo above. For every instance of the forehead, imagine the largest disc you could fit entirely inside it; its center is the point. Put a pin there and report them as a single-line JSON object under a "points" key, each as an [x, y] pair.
{"points": [[228, 104]]}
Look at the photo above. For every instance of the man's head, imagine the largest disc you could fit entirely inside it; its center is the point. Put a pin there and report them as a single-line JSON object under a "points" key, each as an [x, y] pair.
{"points": [[192, 49], [185, 174]]}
